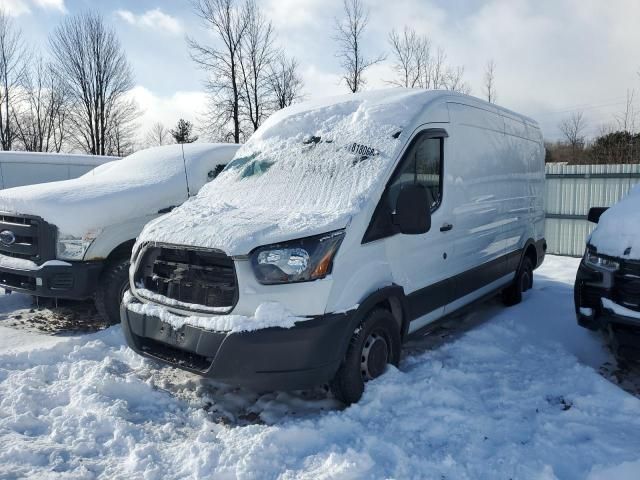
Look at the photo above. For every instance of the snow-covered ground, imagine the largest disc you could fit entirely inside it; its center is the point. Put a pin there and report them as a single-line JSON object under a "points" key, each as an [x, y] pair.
{"points": [[509, 393]]}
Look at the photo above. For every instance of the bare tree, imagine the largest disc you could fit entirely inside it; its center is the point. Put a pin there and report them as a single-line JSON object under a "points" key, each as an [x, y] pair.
{"points": [[12, 68], [572, 128], [285, 82], [455, 81], [489, 81], [228, 23], [417, 67], [90, 60], [349, 37], [257, 51], [411, 53], [120, 137], [40, 118], [628, 117], [157, 135]]}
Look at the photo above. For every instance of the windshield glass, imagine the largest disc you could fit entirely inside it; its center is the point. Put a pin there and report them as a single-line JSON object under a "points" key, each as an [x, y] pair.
{"points": [[317, 159]]}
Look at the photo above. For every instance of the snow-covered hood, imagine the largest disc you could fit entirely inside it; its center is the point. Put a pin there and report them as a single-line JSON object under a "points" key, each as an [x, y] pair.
{"points": [[618, 231], [139, 185], [309, 169]]}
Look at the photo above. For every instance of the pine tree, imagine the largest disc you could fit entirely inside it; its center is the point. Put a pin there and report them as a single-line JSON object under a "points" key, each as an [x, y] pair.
{"points": [[182, 132]]}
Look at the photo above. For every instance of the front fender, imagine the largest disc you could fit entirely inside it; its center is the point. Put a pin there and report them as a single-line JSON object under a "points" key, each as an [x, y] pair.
{"points": [[114, 235]]}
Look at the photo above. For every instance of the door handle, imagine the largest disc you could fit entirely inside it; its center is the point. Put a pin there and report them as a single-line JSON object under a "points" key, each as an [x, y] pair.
{"points": [[446, 227]]}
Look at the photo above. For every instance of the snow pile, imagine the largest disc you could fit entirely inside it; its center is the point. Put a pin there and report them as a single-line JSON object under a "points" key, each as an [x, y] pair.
{"points": [[508, 399], [268, 314], [307, 170], [618, 230], [137, 185]]}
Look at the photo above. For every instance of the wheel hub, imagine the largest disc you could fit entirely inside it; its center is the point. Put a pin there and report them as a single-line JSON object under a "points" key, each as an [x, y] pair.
{"points": [[375, 356]]}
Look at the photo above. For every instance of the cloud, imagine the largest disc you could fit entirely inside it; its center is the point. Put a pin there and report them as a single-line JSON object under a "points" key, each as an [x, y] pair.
{"points": [[154, 19], [15, 8], [51, 5], [167, 109]]}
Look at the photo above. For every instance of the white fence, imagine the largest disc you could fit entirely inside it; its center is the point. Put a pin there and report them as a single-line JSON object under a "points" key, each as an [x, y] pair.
{"points": [[571, 191]]}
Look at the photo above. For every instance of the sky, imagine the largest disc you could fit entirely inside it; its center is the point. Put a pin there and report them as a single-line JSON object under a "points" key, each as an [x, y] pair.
{"points": [[552, 57]]}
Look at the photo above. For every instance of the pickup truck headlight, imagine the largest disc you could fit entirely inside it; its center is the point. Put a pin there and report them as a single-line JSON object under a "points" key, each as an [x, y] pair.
{"points": [[299, 260], [73, 248], [601, 263]]}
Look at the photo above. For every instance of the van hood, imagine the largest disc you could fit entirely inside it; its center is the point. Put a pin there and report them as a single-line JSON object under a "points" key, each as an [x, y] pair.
{"points": [[618, 231], [136, 186], [307, 170], [237, 231]]}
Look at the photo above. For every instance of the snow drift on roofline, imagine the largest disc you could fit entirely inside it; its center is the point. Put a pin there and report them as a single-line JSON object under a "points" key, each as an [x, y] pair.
{"points": [[112, 193], [618, 230], [305, 171]]}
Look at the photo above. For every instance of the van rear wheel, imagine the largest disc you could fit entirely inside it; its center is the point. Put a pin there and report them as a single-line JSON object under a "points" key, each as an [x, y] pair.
{"points": [[512, 295], [374, 345], [114, 281]]}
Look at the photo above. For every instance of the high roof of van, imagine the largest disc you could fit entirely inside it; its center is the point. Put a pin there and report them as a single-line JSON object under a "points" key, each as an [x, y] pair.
{"points": [[386, 106]]}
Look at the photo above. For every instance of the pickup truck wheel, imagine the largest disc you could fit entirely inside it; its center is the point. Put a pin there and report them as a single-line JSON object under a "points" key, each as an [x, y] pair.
{"points": [[114, 281], [374, 344], [512, 295]]}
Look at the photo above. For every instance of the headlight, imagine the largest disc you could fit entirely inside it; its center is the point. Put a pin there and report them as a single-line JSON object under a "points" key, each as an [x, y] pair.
{"points": [[601, 263], [74, 248], [300, 260]]}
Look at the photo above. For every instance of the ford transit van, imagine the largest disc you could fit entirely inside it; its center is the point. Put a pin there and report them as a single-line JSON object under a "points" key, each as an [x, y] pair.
{"points": [[72, 239], [339, 229]]}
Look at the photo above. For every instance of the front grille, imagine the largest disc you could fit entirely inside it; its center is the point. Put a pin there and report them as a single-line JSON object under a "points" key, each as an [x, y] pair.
{"points": [[31, 238], [62, 281], [189, 277], [628, 285], [9, 280]]}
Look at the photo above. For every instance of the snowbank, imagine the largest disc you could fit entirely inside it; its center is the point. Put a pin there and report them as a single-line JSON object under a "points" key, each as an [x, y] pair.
{"points": [[137, 185], [268, 314], [508, 399], [618, 231], [305, 171]]}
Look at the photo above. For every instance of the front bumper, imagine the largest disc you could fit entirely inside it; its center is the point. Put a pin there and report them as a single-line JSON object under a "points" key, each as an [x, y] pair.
{"points": [[300, 357], [74, 281], [590, 288]]}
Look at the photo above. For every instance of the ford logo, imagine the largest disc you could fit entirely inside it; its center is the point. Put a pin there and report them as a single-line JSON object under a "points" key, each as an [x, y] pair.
{"points": [[7, 237]]}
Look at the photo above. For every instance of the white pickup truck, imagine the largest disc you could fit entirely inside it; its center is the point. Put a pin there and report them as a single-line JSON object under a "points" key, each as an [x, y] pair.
{"points": [[72, 239]]}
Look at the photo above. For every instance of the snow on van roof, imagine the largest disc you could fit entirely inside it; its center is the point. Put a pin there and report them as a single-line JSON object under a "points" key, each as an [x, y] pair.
{"points": [[306, 170], [618, 230], [137, 185]]}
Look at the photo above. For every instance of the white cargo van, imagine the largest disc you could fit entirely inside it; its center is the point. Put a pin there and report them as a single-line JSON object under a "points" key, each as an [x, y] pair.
{"points": [[72, 239], [340, 228], [28, 168]]}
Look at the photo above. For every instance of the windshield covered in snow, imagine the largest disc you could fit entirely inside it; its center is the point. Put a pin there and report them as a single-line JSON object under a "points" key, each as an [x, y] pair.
{"points": [[324, 158]]}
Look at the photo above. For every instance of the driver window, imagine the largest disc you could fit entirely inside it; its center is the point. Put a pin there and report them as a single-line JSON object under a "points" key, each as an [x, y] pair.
{"points": [[423, 165]]}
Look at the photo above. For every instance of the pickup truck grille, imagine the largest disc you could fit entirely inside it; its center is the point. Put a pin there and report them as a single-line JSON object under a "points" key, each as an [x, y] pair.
{"points": [[26, 237], [188, 279], [627, 289]]}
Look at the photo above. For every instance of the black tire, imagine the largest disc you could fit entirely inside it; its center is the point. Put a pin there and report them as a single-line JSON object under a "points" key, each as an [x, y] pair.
{"points": [[374, 344], [512, 295], [114, 281]]}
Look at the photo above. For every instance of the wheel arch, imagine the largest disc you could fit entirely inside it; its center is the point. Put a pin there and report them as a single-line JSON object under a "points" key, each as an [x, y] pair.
{"points": [[391, 298]]}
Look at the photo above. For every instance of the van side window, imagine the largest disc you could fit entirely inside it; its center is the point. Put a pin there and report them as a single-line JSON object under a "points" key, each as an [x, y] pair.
{"points": [[422, 163]]}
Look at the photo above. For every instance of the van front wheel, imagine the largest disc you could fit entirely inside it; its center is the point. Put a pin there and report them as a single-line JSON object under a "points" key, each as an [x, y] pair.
{"points": [[374, 344], [114, 281]]}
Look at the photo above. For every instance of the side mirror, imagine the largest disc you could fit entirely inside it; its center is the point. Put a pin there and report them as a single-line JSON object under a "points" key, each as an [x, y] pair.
{"points": [[413, 211], [595, 213]]}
